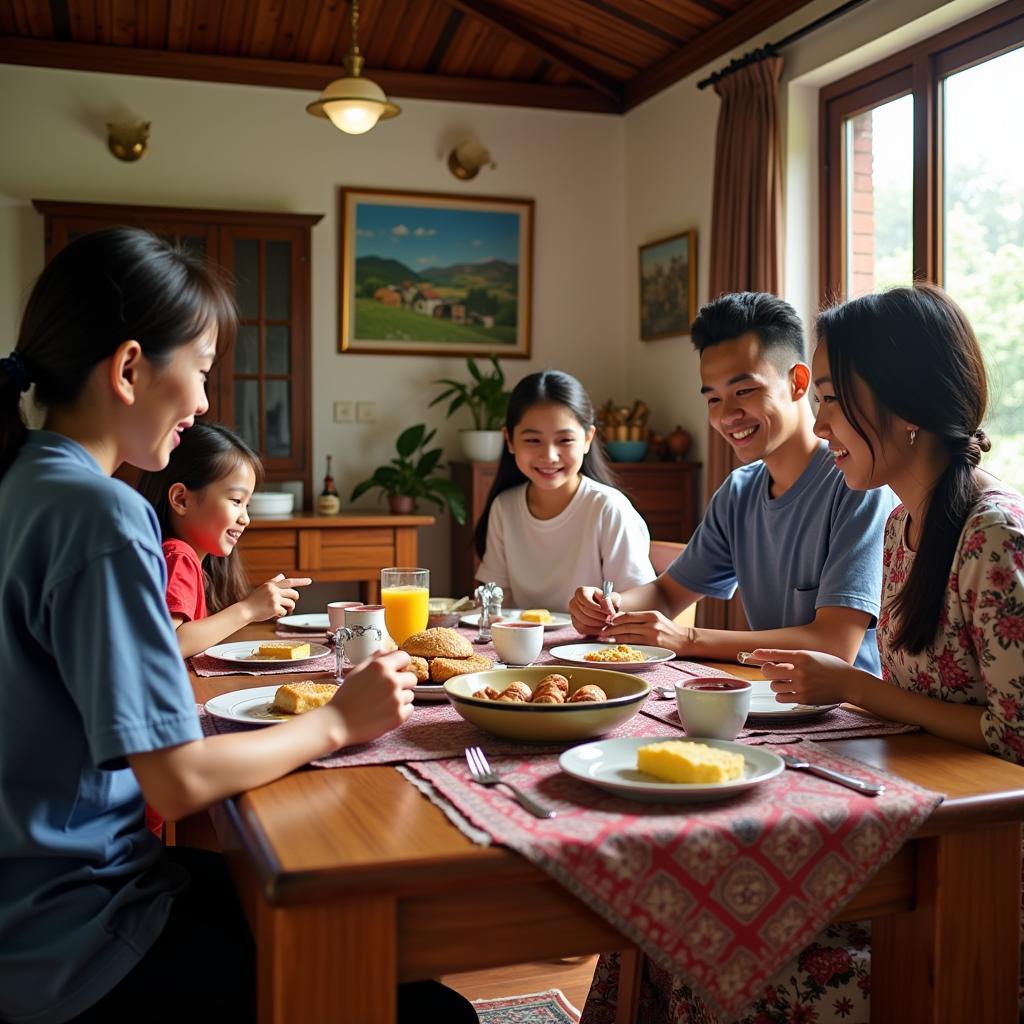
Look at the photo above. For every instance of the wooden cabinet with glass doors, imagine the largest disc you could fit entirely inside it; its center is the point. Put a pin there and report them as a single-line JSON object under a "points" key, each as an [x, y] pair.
{"points": [[261, 385]]}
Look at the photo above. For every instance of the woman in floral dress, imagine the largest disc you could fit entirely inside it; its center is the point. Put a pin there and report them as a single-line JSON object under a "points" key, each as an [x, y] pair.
{"points": [[901, 391]]}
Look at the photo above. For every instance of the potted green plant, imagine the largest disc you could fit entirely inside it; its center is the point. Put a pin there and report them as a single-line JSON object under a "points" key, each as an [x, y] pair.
{"points": [[487, 400], [413, 475]]}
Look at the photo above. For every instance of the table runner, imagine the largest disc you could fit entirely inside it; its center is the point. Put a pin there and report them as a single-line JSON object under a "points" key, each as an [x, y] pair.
{"points": [[839, 724], [722, 893], [435, 732]]}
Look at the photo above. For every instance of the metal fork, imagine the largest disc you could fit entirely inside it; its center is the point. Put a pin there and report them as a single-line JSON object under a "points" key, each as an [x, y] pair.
{"points": [[867, 788], [480, 771]]}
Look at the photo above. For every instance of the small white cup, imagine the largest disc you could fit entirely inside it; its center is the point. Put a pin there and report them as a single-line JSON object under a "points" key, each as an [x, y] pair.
{"points": [[715, 707], [336, 612], [518, 643], [365, 631]]}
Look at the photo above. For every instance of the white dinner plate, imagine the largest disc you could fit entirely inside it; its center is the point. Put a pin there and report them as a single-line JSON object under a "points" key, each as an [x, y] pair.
{"points": [[244, 653], [611, 765], [764, 706], [559, 620], [430, 691], [319, 623], [250, 706], [574, 654]]}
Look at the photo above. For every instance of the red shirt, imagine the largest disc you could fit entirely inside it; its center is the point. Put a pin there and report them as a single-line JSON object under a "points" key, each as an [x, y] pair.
{"points": [[186, 585]]}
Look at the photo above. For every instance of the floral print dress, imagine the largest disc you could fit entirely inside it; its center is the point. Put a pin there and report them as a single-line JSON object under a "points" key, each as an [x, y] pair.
{"points": [[977, 658]]}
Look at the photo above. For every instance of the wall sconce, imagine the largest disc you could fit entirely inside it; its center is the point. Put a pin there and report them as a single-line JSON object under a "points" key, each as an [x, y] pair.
{"points": [[466, 159], [128, 140]]}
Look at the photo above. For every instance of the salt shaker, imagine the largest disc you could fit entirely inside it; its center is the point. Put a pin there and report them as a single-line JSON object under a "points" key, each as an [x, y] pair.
{"points": [[489, 596]]}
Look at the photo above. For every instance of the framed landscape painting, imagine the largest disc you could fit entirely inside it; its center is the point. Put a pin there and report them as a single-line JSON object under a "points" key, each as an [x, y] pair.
{"points": [[427, 274], [668, 286]]}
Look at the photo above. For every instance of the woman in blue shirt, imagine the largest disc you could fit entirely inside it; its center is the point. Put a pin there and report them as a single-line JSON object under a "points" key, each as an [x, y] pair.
{"points": [[98, 922]]}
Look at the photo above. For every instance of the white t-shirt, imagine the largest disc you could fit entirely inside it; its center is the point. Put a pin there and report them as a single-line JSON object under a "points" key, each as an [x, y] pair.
{"points": [[597, 536]]}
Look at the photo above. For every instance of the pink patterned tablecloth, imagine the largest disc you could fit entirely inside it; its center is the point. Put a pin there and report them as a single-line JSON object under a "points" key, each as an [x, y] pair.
{"points": [[722, 893]]}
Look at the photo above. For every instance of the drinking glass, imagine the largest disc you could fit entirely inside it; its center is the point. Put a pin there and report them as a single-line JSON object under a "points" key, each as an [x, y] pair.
{"points": [[405, 594]]}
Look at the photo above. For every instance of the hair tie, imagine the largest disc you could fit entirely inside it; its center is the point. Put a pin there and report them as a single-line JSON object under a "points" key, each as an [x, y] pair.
{"points": [[17, 372], [982, 440]]}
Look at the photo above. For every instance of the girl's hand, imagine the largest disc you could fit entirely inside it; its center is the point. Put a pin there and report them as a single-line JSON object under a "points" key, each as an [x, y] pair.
{"points": [[805, 677], [652, 629], [376, 697], [589, 611], [274, 598]]}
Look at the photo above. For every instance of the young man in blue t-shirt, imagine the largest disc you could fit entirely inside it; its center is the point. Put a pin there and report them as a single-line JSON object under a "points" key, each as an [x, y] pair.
{"points": [[805, 551]]}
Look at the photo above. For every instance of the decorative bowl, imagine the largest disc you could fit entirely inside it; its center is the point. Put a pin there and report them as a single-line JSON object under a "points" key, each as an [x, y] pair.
{"points": [[626, 451], [271, 503], [544, 723], [440, 612]]}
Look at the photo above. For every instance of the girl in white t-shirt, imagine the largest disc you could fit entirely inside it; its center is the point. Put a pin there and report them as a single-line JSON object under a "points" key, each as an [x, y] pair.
{"points": [[554, 520]]}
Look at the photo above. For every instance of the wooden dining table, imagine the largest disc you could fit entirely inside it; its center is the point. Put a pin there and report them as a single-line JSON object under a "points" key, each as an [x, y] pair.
{"points": [[352, 882]]}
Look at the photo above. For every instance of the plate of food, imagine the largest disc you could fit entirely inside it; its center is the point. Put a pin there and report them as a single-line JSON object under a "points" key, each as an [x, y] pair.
{"points": [[550, 620], [671, 771], [621, 657], [268, 705], [267, 652], [764, 706], [319, 623]]}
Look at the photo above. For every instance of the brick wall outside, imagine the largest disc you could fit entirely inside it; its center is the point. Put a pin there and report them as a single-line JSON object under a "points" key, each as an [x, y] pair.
{"points": [[860, 243]]}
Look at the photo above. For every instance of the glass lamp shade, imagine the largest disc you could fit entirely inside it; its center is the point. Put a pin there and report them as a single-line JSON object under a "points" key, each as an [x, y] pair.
{"points": [[354, 105]]}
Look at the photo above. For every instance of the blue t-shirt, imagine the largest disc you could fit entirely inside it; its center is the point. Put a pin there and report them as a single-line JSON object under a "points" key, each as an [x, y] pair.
{"points": [[819, 545], [91, 673]]}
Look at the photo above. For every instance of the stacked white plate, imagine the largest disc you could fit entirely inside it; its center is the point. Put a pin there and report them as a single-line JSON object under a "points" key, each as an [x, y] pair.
{"points": [[271, 503]]}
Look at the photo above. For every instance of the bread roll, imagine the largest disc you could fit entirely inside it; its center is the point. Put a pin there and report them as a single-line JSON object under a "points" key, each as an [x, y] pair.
{"points": [[419, 668], [444, 668], [438, 642]]}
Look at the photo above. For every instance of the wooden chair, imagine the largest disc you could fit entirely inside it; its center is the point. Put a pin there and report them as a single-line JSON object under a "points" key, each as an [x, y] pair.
{"points": [[663, 554]]}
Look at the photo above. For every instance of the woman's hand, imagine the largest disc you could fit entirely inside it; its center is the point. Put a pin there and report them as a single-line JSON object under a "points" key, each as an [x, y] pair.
{"points": [[806, 677], [590, 610], [274, 598], [653, 629], [375, 698]]}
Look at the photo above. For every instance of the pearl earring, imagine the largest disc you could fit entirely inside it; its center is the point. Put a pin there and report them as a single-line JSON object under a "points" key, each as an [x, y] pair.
{"points": [[913, 438]]}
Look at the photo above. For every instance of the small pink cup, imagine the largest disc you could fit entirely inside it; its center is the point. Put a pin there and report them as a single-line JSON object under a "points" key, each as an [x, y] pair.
{"points": [[336, 612]]}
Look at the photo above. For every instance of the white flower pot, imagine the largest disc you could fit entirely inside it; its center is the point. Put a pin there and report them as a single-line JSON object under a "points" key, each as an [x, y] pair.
{"points": [[482, 445]]}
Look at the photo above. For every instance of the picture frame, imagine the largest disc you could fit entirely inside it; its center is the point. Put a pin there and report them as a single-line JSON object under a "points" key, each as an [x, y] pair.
{"points": [[668, 286], [435, 274]]}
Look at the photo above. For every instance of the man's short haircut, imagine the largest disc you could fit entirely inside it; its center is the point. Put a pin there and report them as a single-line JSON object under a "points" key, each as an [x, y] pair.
{"points": [[772, 319]]}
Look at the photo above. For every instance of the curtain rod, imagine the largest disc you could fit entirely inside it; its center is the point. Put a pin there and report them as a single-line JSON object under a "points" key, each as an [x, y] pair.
{"points": [[772, 49]]}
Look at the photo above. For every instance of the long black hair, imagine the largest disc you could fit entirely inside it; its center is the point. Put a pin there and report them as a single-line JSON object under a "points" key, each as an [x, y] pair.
{"points": [[103, 289], [918, 354], [558, 388], [208, 452]]}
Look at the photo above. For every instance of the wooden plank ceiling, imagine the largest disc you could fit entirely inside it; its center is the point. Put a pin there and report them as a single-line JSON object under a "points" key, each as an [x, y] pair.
{"points": [[602, 55]]}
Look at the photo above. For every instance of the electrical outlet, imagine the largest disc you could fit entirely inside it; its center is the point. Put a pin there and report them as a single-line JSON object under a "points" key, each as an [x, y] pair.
{"points": [[344, 412], [366, 412]]}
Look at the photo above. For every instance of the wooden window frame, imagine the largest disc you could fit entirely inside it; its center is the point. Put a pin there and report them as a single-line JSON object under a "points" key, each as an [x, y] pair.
{"points": [[220, 229], [919, 71]]}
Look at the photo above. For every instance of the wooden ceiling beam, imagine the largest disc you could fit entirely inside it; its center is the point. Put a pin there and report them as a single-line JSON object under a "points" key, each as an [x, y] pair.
{"points": [[522, 33], [123, 60], [737, 29]]}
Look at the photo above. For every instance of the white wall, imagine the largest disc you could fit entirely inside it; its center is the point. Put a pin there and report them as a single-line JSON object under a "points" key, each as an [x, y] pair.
{"points": [[250, 148], [670, 149]]}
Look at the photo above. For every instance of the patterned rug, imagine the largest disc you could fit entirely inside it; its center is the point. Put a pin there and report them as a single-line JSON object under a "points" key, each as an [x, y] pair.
{"points": [[550, 1007]]}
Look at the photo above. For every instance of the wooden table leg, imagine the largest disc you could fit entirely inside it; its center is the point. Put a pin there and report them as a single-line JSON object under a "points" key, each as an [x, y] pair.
{"points": [[631, 969], [955, 957], [332, 962]]}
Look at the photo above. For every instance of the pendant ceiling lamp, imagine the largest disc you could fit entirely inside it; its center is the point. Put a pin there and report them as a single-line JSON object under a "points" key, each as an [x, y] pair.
{"points": [[354, 104]]}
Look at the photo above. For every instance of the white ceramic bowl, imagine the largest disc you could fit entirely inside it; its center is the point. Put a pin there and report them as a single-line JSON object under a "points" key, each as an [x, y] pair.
{"points": [[271, 503]]}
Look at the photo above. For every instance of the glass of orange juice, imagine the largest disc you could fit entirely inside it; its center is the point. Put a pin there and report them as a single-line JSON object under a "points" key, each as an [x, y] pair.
{"points": [[405, 594]]}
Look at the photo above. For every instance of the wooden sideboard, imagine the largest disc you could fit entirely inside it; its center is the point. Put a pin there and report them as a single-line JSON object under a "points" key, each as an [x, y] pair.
{"points": [[666, 494], [330, 549]]}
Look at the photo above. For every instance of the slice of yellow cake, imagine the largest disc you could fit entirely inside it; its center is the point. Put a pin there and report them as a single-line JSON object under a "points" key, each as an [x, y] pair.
{"points": [[535, 615], [283, 649], [295, 698], [677, 761]]}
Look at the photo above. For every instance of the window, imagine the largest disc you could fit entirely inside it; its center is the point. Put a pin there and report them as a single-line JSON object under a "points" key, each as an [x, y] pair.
{"points": [[924, 178]]}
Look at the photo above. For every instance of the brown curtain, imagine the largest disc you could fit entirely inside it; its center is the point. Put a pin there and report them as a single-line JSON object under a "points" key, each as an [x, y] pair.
{"points": [[746, 232]]}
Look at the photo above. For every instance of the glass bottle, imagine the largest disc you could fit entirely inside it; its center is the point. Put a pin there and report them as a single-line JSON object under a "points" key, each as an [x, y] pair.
{"points": [[329, 501]]}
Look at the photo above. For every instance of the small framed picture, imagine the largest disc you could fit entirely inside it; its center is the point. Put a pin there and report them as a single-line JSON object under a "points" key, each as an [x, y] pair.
{"points": [[668, 286], [429, 274]]}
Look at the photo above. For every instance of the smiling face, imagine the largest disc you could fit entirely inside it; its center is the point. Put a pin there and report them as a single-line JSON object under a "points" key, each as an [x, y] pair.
{"points": [[864, 465], [549, 444], [212, 520], [168, 399], [751, 402]]}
